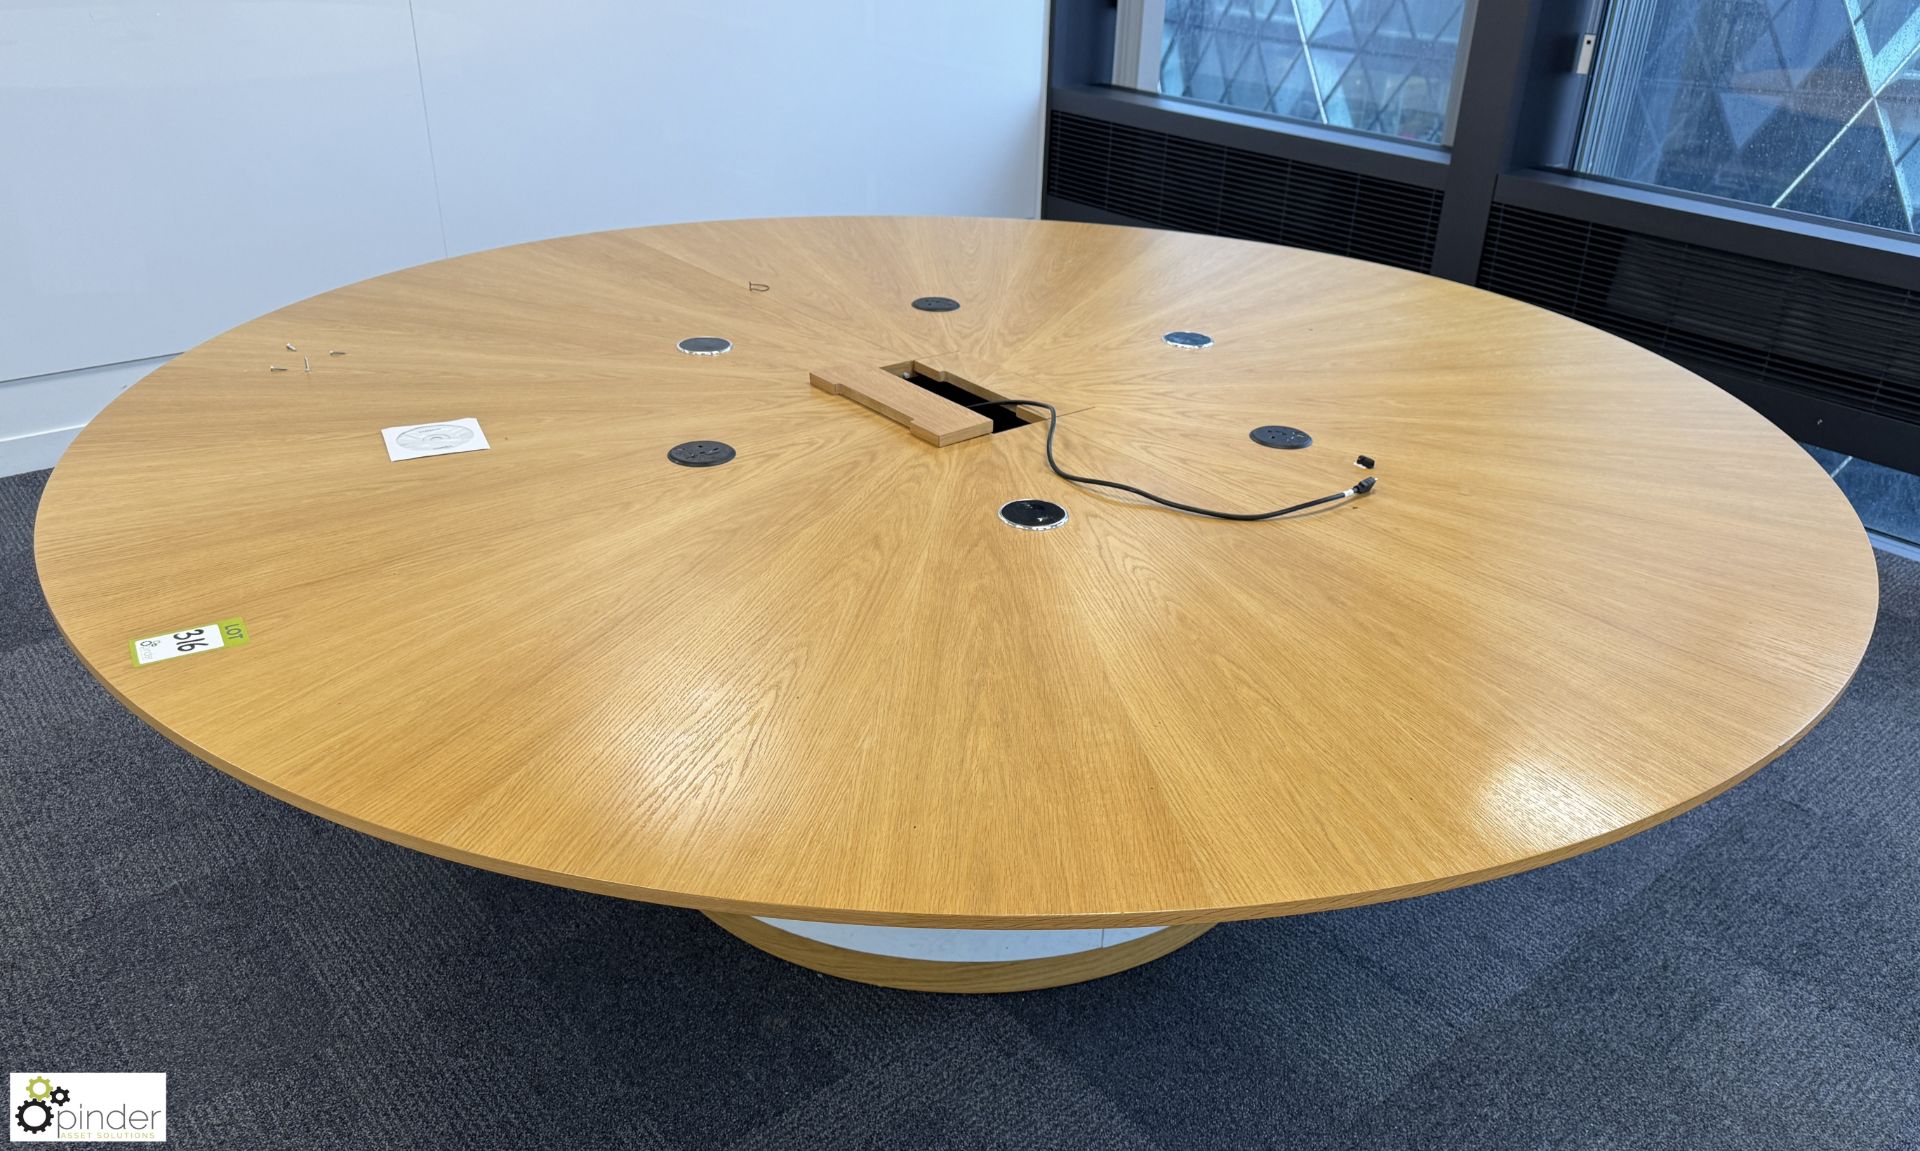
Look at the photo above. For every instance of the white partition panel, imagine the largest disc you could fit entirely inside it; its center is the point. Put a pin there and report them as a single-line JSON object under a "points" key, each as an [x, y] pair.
{"points": [[577, 115], [174, 168]]}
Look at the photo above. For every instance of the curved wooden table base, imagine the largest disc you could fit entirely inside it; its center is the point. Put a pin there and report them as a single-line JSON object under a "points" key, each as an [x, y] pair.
{"points": [[960, 976]]}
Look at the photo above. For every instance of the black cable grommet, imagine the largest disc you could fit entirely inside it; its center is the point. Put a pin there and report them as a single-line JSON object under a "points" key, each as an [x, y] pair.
{"points": [[1280, 436], [700, 453], [1033, 515]]}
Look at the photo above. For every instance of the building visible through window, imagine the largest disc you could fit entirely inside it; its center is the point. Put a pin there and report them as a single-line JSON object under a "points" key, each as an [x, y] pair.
{"points": [[1804, 105], [1379, 66]]}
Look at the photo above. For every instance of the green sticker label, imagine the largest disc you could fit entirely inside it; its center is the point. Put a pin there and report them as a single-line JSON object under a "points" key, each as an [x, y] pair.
{"points": [[189, 640]]}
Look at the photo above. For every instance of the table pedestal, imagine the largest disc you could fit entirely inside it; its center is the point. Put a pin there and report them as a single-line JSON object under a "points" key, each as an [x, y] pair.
{"points": [[955, 959]]}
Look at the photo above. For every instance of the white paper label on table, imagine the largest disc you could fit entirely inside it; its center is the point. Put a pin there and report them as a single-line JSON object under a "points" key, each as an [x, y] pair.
{"points": [[411, 441]]}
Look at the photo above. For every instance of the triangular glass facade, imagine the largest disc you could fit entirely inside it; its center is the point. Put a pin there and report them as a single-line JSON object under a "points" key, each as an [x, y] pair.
{"points": [[1805, 105], [1380, 66]]}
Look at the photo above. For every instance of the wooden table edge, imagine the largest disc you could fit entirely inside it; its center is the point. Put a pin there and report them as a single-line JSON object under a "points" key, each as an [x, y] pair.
{"points": [[1163, 917]]}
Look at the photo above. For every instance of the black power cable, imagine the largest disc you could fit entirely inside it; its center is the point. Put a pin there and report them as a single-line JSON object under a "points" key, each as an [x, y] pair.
{"points": [[1053, 422]]}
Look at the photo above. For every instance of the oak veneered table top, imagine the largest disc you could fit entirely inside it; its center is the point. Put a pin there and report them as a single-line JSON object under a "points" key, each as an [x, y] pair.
{"points": [[823, 680]]}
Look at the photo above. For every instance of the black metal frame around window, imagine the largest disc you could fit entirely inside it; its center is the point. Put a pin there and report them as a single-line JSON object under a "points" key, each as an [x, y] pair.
{"points": [[1517, 114]]}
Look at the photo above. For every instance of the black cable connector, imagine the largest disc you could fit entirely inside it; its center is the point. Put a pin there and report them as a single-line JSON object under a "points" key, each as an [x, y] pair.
{"points": [[1053, 423]]}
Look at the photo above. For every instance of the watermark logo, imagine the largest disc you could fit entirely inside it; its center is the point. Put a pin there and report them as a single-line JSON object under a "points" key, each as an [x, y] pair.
{"points": [[119, 1107]]}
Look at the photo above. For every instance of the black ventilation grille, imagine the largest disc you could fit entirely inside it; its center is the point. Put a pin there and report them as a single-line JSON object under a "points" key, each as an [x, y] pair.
{"points": [[1737, 320], [1170, 182]]}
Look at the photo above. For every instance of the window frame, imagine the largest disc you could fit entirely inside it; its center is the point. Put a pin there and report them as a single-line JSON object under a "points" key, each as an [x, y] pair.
{"points": [[1517, 104], [1138, 23], [1517, 109], [1564, 163]]}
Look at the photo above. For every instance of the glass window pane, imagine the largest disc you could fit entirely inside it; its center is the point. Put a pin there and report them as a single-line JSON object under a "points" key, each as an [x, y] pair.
{"points": [[1805, 105], [1380, 66]]}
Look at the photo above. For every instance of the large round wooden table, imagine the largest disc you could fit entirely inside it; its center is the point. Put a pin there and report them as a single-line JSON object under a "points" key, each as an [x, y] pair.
{"points": [[825, 694]]}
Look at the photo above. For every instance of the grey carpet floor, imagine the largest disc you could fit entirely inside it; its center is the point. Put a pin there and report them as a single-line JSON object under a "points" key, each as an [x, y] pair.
{"points": [[1746, 976]]}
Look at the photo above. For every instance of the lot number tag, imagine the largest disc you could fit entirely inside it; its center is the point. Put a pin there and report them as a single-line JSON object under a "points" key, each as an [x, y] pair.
{"points": [[188, 640]]}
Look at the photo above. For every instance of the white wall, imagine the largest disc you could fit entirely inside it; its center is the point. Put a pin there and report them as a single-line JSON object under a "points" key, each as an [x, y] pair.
{"points": [[172, 168]]}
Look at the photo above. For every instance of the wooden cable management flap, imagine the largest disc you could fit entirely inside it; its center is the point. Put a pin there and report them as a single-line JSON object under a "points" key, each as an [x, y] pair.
{"points": [[934, 419]]}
